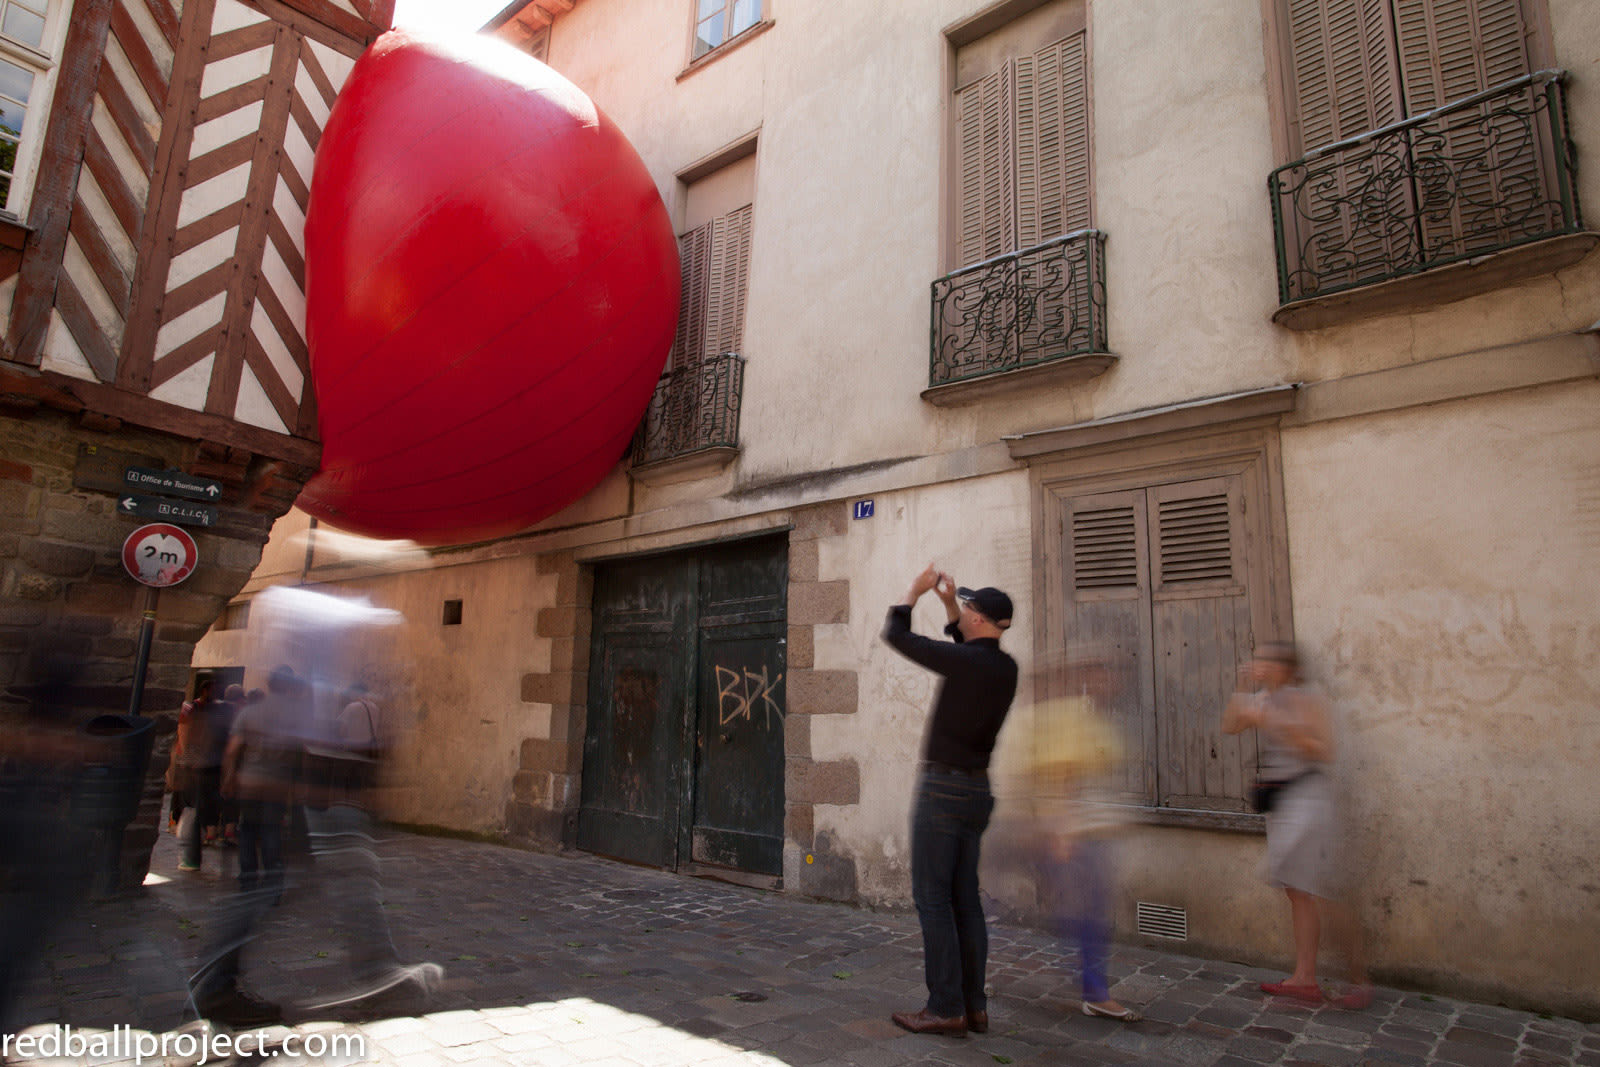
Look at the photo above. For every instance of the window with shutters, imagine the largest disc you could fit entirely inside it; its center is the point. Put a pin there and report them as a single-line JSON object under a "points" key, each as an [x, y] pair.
{"points": [[1166, 562], [29, 41], [695, 409], [1423, 134], [1026, 285]]}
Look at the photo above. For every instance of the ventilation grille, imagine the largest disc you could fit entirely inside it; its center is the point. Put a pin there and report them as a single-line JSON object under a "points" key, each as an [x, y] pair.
{"points": [[1105, 552], [1159, 920], [1196, 545]]}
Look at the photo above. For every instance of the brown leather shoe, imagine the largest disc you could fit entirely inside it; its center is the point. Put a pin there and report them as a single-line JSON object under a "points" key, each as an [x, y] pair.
{"points": [[925, 1022], [978, 1022]]}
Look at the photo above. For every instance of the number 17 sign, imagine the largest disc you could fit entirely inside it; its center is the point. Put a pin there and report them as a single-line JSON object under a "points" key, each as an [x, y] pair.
{"points": [[159, 554]]}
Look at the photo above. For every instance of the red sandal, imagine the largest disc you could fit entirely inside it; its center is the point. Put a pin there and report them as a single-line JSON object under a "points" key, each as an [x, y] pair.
{"points": [[1306, 994]]}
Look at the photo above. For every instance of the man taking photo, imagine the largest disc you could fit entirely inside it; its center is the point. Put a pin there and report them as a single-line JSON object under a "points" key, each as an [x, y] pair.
{"points": [[953, 802]]}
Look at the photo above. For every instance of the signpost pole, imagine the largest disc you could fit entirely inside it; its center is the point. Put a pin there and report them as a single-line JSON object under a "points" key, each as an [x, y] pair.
{"points": [[141, 661]]}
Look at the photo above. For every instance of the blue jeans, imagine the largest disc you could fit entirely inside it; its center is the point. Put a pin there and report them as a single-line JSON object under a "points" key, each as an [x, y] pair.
{"points": [[261, 844], [1079, 896], [947, 825], [344, 845], [204, 795]]}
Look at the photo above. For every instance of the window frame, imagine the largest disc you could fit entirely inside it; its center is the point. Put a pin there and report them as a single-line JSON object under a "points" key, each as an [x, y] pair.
{"points": [[696, 58], [1228, 438], [992, 25], [45, 64]]}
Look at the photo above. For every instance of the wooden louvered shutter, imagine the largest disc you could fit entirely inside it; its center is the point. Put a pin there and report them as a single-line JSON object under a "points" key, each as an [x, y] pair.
{"points": [[1200, 618], [1344, 71], [1052, 187], [694, 254], [1490, 179], [728, 283], [1346, 83], [1343, 66], [985, 209], [1108, 611], [1052, 89]]}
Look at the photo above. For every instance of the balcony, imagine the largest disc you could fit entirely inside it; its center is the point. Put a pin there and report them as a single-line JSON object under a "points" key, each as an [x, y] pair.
{"points": [[1024, 319], [1447, 204], [692, 424]]}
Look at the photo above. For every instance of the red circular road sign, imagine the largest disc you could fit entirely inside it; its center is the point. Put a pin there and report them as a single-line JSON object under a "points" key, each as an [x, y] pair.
{"points": [[159, 554]]}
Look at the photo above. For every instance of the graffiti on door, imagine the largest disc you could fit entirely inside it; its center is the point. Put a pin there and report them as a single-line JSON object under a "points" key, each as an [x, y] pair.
{"points": [[744, 695]]}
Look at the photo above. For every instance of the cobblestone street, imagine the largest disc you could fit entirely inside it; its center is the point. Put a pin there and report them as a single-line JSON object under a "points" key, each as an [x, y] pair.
{"points": [[555, 960]]}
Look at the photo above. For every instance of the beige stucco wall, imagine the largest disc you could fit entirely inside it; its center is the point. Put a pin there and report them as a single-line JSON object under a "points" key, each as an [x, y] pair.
{"points": [[977, 530], [1464, 652], [453, 693]]}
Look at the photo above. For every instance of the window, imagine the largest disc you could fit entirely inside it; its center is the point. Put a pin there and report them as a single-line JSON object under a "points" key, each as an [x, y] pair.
{"points": [[452, 613], [717, 22], [1356, 65], [1021, 135], [695, 409], [1155, 576], [235, 616], [1026, 287], [1467, 163], [24, 62], [715, 252], [1167, 557], [538, 45]]}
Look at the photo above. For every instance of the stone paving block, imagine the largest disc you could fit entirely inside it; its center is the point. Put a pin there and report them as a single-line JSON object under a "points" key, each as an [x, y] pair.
{"points": [[1333, 1055], [1461, 1055], [1468, 1035], [1380, 1057], [408, 1044]]}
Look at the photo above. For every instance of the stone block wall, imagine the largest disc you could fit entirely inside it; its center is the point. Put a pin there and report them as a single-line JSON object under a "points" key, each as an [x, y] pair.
{"points": [[812, 864], [543, 810], [71, 615]]}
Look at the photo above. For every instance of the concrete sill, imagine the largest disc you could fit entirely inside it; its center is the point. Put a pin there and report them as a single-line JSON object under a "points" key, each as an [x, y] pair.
{"points": [[1069, 370], [1233, 821], [1442, 285], [686, 467]]}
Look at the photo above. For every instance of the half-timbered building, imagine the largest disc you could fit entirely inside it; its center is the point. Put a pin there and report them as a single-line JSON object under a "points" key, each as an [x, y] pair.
{"points": [[155, 166]]}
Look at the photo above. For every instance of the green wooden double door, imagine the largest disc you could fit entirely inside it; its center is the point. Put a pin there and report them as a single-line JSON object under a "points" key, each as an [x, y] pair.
{"points": [[683, 754]]}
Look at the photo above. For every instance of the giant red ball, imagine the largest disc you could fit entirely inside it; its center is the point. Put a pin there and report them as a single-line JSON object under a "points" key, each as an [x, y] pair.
{"points": [[491, 292]]}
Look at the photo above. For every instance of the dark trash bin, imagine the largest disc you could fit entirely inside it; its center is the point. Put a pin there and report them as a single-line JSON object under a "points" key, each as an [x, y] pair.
{"points": [[108, 788]]}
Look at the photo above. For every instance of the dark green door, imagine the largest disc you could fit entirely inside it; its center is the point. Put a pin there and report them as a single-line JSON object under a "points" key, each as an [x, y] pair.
{"points": [[684, 753], [632, 785]]}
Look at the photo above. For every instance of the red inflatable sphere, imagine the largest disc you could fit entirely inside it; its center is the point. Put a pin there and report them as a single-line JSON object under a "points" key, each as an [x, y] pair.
{"points": [[491, 293]]}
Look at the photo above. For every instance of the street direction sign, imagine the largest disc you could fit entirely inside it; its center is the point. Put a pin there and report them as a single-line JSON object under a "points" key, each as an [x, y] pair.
{"points": [[175, 482], [155, 507], [159, 555]]}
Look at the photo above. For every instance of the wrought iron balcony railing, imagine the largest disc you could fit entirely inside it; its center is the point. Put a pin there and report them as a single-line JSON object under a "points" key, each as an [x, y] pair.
{"points": [[1021, 309], [694, 409], [1481, 175]]}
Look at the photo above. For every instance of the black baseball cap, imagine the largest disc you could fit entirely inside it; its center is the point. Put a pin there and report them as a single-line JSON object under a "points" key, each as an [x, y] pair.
{"points": [[990, 602]]}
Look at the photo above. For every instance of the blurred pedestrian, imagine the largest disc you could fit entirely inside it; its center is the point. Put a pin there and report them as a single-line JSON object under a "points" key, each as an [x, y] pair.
{"points": [[953, 802], [45, 869], [1075, 750], [343, 763], [203, 728], [259, 771], [1296, 793]]}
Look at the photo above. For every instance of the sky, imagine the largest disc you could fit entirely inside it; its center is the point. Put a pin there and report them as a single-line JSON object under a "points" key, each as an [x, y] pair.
{"points": [[462, 15]]}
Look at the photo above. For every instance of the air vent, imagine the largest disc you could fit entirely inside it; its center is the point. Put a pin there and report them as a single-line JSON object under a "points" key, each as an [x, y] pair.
{"points": [[1105, 552], [1159, 920]]}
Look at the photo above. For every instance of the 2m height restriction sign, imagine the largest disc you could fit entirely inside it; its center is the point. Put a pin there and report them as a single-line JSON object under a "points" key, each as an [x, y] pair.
{"points": [[159, 554]]}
